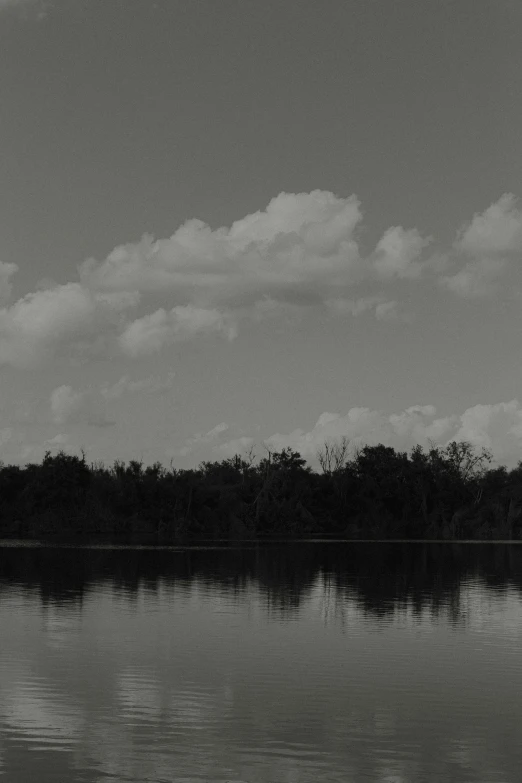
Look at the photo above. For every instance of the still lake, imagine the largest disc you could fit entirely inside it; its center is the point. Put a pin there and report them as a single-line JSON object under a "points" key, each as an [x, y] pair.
{"points": [[286, 663]]}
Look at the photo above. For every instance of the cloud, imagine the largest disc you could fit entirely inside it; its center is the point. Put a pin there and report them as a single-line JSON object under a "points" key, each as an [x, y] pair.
{"points": [[151, 384], [397, 253], [355, 307], [233, 447], [153, 332], [389, 311], [300, 244], [34, 327], [41, 711], [119, 300], [487, 245], [200, 439], [59, 441], [295, 251], [299, 252], [383, 309], [78, 407], [478, 278], [65, 403], [217, 430], [89, 406], [497, 427], [497, 231], [362, 425], [35, 324], [286, 314]]}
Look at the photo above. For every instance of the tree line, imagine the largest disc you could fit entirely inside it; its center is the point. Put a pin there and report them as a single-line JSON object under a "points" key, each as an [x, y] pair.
{"points": [[449, 492]]}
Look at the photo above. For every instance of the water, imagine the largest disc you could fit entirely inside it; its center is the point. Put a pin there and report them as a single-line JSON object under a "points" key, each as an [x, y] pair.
{"points": [[271, 664]]}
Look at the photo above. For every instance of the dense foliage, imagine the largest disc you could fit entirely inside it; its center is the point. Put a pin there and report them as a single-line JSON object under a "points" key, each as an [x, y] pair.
{"points": [[377, 492]]}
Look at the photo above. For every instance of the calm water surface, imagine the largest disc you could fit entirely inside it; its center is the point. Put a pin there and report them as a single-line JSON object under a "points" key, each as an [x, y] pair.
{"points": [[270, 664]]}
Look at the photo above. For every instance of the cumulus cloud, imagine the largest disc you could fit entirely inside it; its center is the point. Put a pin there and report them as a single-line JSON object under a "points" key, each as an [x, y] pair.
{"points": [[477, 278], [152, 384], [343, 307], [89, 406], [200, 439], [387, 311], [78, 407], [497, 231], [486, 245], [152, 332], [382, 308], [34, 327], [37, 322], [301, 251], [298, 243], [300, 247], [217, 430], [362, 425], [286, 315], [233, 447], [497, 427], [119, 300], [58, 441], [65, 403], [397, 253]]}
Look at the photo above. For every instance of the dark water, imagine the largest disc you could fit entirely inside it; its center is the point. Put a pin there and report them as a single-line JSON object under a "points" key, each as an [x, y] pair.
{"points": [[313, 662]]}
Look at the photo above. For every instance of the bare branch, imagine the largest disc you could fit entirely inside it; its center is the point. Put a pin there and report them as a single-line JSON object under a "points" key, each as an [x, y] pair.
{"points": [[333, 456]]}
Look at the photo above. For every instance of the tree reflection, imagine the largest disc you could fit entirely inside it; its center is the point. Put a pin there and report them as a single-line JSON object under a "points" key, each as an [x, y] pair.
{"points": [[379, 577]]}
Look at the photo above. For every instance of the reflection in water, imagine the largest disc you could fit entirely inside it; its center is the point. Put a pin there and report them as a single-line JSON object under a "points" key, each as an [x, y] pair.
{"points": [[33, 710], [306, 662]]}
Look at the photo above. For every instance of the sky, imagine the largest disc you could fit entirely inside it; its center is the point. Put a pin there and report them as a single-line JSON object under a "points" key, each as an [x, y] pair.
{"points": [[259, 224]]}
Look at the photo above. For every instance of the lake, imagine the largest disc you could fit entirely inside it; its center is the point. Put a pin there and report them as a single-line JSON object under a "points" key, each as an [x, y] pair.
{"points": [[285, 663]]}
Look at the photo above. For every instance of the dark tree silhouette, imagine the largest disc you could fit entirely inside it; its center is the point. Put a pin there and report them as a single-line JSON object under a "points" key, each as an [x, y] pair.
{"points": [[376, 492]]}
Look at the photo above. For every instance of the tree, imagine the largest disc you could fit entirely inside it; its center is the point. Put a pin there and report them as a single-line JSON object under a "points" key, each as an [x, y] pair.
{"points": [[333, 455], [465, 461]]}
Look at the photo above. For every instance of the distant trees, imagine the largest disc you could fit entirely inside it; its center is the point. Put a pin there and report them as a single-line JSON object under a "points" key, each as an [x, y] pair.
{"points": [[373, 491]]}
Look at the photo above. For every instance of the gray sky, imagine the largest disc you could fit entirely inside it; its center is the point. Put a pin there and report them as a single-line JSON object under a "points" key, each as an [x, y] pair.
{"points": [[386, 279]]}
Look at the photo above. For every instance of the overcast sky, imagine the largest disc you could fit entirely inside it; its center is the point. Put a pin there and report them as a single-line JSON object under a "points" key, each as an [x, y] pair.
{"points": [[246, 221]]}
